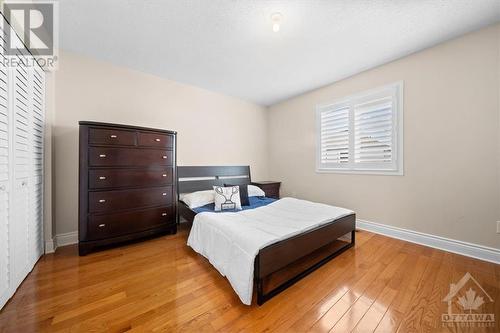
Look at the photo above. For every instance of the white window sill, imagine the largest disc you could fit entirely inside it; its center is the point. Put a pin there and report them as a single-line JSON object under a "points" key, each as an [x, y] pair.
{"points": [[361, 172]]}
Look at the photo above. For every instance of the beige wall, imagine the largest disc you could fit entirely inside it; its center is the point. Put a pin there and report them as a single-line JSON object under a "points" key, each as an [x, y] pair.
{"points": [[213, 129], [498, 82], [451, 180], [451, 185]]}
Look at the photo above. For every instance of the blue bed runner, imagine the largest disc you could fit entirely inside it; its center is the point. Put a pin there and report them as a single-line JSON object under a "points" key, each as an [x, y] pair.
{"points": [[255, 202]]}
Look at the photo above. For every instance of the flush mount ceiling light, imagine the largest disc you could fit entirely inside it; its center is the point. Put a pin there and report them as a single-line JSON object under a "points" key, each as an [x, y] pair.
{"points": [[276, 19]]}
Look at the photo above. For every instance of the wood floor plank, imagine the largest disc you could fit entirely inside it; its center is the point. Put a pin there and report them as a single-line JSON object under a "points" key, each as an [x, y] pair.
{"points": [[89, 307], [376, 311], [341, 308], [351, 318], [430, 319], [413, 318], [401, 302], [380, 285]]}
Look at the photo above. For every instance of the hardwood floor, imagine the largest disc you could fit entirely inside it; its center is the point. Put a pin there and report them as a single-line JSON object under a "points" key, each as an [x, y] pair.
{"points": [[382, 285]]}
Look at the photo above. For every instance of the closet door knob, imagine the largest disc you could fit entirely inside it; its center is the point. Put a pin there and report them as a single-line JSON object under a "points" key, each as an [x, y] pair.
{"points": [[102, 155], [3, 188], [164, 157], [102, 201], [102, 178], [164, 175], [164, 194], [24, 183], [102, 225], [112, 136], [163, 214], [157, 140]]}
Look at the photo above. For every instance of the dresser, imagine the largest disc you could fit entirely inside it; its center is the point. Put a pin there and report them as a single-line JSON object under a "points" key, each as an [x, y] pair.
{"points": [[127, 187]]}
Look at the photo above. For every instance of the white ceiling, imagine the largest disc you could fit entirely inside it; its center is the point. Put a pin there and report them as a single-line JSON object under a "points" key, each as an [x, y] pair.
{"points": [[229, 46]]}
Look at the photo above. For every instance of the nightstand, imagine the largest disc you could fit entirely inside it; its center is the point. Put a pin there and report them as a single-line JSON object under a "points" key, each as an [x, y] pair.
{"points": [[271, 188]]}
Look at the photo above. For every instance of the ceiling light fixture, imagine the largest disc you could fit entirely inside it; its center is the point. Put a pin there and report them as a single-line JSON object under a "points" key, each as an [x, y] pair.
{"points": [[276, 18]]}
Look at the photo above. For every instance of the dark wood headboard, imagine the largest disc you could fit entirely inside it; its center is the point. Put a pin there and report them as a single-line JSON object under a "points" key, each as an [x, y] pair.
{"points": [[199, 178]]}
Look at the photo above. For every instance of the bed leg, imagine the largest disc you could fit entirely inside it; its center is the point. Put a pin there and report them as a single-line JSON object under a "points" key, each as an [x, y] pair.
{"points": [[353, 237], [260, 295]]}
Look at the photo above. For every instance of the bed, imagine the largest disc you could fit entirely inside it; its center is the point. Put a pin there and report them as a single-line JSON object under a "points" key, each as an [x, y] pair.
{"points": [[287, 246]]}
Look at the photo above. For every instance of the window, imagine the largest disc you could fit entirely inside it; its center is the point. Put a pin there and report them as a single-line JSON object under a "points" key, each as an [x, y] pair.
{"points": [[362, 133]]}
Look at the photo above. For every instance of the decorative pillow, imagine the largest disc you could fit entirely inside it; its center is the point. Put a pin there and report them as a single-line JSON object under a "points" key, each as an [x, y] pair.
{"points": [[243, 194], [254, 191], [227, 198], [198, 199]]}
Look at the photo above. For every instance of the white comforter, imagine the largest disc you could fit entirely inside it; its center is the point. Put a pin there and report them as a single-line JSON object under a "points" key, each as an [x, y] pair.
{"points": [[230, 241]]}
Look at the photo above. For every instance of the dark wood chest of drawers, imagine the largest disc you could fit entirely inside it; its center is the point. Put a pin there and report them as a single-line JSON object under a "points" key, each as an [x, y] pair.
{"points": [[127, 187]]}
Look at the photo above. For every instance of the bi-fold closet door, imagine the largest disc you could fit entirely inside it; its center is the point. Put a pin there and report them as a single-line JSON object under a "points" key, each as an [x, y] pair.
{"points": [[5, 143], [22, 91]]}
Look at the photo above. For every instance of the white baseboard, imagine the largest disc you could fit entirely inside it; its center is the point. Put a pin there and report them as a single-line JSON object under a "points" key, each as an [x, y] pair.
{"points": [[67, 238], [451, 245], [50, 246]]}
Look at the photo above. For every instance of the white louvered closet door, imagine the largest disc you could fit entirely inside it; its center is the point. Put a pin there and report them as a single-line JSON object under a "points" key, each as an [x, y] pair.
{"points": [[35, 179], [22, 101], [4, 177], [21, 159]]}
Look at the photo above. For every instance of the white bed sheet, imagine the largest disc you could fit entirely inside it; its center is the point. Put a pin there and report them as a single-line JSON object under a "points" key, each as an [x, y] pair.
{"points": [[231, 241]]}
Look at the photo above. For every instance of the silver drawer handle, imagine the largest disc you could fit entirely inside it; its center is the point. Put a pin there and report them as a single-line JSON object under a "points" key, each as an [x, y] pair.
{"points": [[102, 201], [102, 155], [164, 157], [164, 194], [112, 136], [163, 214], [102, 178], [157, 140], [164, 175], [102, 225]]}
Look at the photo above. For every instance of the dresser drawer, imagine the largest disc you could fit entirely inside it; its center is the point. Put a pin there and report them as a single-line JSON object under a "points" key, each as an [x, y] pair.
{"points": [[108, 201], [118, 224], [100, 179], [103, 136], [155, 140], [104, 156]]}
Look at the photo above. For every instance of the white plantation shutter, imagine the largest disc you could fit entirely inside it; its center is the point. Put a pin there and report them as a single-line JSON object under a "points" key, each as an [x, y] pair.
{"points": [[373, 125], [362, 133], [334, 124]]}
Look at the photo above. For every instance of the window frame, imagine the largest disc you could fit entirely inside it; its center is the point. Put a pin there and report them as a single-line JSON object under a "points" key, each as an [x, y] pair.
{"points": [[393, 90]]}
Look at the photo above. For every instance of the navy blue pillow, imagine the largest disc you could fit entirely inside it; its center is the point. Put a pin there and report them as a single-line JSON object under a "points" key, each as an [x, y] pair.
{"points": [[243, 194]]}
